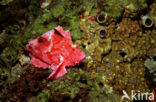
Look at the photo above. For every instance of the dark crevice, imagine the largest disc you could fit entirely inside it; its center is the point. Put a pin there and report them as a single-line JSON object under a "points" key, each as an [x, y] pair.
{"points": [[122, 54], [154, 58]]}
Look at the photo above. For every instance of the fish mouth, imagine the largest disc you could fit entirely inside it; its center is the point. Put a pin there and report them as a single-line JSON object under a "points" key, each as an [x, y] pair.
{"points": [[27, 52], [28, 49]]}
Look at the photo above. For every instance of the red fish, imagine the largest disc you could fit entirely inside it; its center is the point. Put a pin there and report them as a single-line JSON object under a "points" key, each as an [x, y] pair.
{"points": [[55, 50]]}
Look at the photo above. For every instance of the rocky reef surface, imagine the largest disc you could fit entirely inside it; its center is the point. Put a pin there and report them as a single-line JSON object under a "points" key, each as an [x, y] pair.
{"points": [[117, 36]]}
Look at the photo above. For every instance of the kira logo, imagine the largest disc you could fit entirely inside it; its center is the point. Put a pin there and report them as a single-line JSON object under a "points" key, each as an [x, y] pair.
{"points": [[138, 95]]}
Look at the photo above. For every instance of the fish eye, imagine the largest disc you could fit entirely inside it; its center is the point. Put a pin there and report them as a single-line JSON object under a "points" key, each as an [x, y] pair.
{"points": [[29, 47]]}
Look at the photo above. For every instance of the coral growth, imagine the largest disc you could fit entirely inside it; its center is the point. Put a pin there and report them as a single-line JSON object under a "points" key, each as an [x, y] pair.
{"points": [[127, 47], [94, 43]]}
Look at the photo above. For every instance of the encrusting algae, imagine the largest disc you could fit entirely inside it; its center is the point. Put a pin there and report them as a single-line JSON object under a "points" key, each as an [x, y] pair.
{"points": [[119, 55]]}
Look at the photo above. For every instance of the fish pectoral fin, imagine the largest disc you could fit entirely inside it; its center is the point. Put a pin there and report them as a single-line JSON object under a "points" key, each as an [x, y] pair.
{"points": [[38, 63], [57, 72]]}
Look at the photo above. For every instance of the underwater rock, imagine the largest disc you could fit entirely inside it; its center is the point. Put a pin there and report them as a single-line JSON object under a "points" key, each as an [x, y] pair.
{"points": [[124, 66], [147, 21], [99, 48], [128, 28], [124, 76], [96, 40], [127, 49], [128, 41]]}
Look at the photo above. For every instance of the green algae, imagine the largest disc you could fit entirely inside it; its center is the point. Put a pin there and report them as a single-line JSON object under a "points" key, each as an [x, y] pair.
{"points": [[74, 81], [43, 96], [66, 86], [58, 10], [52, 18], [46, 19], [10, 54], [41, 25], [13, 34], [5, 2], [69, 15], [64, 12], [115, 8], [140, 4], [6, 78]]}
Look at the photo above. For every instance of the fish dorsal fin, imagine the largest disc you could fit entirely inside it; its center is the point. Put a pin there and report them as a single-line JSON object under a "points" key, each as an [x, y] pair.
{"points": [[57, 32]]}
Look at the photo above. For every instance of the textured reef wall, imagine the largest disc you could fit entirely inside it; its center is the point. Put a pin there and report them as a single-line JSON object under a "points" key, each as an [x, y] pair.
{"points": [[117, 36]]}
